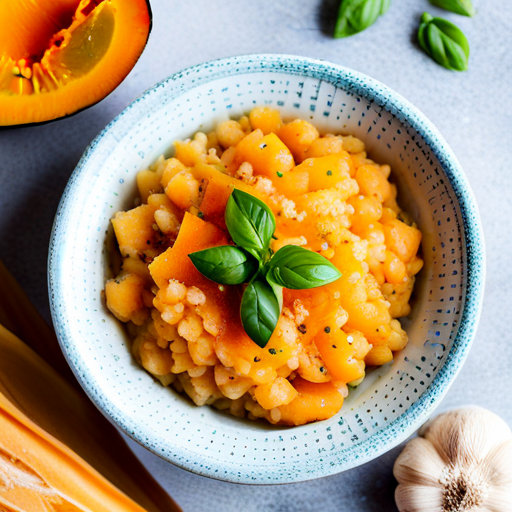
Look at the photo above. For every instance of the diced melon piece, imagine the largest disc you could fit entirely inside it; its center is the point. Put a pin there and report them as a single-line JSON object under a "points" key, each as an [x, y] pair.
{"points": [[325, 171], [190, 152], [314, 402], [298, 137], [402, 239], [266, 119], [124, 298], [218, 189], [194, 235], [183, 190], [172, 167], [292, 183], [133, 229], [148, 182], [136, 266], [338, 354], [162, 201], [324, 146], [373, 183], [267, 154], [277, 393]]}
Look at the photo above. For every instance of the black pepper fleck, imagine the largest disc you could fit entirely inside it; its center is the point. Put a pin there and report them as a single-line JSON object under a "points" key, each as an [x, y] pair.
{"points": [[257, 359], [302, 328], [327, 330], [334, 346], [272, 351], [329, 173], [322, 369]]}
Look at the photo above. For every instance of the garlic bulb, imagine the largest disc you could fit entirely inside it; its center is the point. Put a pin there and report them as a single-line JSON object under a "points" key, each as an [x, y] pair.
{"points": [[461, 462]]}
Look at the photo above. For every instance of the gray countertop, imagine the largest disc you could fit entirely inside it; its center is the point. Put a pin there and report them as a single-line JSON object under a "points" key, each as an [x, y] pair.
{"points": [[473, 110]]}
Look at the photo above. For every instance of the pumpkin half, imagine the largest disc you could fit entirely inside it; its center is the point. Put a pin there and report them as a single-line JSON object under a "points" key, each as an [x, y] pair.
{"points": [[60, 56]]}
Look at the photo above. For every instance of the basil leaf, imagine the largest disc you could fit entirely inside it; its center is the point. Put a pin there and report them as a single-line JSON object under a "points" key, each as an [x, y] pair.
{"points": [[357, 15], [278, 291], [259, 312], [444, 42], [250, 223], [225, 264], [464, 7], [297, 268]]}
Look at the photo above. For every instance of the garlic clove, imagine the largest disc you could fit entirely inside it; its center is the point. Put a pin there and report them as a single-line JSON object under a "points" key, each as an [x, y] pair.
{"points": [[465, 435], [462, 462], [423, 498], [419, 463]]}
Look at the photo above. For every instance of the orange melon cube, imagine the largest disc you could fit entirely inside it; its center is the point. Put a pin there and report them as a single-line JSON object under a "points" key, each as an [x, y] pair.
{"points": [[402, 239], [267, 154], [134, 229], [314, 402], [292, 183], [338, 353], [298, 136], [148, 182], [325, 171], [266, 119], [274, 394]]}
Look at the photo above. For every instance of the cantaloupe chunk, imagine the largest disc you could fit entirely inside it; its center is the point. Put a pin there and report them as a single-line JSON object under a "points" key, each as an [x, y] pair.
{"points": [[292, 183], [134, 230], [277, 393], [148, 182], [324, 146], [314, 402], [267, 154], [338, 354], [194, 235], [266, 119], [124, 298], [402, 239], [298, 136], [325, 171]]}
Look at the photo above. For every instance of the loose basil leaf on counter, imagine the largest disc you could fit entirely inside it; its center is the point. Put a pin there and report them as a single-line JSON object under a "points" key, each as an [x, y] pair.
{"points": [[357, 15], [259, 312], [225, 264], [297, 268], [464, 7], [444, 42], [250, 223]]}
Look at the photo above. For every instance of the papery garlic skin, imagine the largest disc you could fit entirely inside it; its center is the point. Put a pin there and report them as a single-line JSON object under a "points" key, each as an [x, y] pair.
{"points": [[461, 462]]}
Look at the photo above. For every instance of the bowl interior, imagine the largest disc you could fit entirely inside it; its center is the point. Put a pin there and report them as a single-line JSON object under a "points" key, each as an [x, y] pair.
{"points": [[392, 401]]}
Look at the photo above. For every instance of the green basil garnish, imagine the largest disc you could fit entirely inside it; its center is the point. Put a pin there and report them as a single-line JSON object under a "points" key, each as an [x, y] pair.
{"points": [[250, 223], [297, 268], [464, 7], [259, 312], [444, 42], [357, 15], [225, 264]]}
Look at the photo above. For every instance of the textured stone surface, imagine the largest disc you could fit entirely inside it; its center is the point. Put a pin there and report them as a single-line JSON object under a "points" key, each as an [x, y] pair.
{"points": [[472, 110]]}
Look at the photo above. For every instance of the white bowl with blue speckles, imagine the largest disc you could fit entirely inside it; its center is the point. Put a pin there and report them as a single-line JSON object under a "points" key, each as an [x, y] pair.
{"points": [[393, 401]]}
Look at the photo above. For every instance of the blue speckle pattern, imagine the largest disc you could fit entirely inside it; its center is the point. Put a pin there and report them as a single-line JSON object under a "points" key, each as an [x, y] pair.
{"points": [[394, 400]]}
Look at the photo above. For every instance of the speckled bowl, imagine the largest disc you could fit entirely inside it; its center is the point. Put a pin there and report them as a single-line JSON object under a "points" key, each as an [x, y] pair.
{"points": [[393, 401]]}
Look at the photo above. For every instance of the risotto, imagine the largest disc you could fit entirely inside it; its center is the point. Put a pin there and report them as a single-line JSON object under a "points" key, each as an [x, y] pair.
{"points": [[327, 196]]}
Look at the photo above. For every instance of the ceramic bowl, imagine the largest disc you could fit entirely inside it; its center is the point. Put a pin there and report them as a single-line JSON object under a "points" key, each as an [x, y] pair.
{"points": [[394, 400]]}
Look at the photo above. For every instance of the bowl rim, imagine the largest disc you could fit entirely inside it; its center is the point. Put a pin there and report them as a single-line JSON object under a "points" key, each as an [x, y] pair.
{"points": [[393, 433]]}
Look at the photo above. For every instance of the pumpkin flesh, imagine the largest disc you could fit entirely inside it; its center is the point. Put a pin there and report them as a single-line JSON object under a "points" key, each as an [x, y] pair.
{"points": [[62, 56]]}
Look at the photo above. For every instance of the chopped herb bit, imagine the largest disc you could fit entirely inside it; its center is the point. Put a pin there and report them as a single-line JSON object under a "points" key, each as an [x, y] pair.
{"points": [[329, 173], [327, 330], [200, 214], [272, 351], [302, 328], [280, 174]]}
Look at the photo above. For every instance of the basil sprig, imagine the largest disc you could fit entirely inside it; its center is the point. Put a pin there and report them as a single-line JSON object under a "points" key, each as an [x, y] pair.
{"points": [[444, 42], [251, 225], [464, 7], [357, 15], [225, 264], [297, 268]]}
